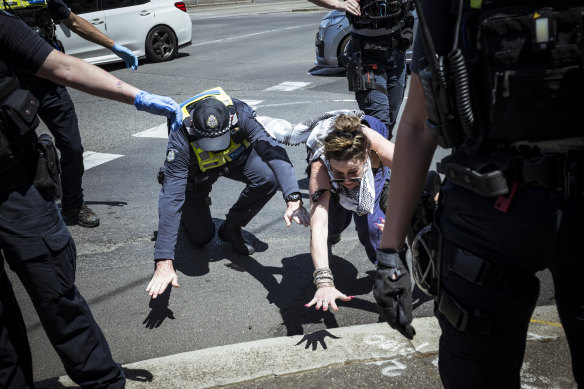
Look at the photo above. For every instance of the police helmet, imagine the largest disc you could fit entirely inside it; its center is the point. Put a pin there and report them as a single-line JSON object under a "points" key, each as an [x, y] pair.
{"points": [[211, 124]]}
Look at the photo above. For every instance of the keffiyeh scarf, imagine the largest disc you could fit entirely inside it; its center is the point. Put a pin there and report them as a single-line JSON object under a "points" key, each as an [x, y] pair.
{"points": [[360, 199]]}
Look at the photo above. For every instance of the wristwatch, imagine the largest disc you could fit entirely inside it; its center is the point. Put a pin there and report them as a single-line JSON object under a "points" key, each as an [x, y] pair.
{"points": [[294, 196]]}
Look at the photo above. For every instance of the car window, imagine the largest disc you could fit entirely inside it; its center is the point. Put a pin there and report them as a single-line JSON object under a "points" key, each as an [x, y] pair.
{"points": [[83, 6], [112, 4]]}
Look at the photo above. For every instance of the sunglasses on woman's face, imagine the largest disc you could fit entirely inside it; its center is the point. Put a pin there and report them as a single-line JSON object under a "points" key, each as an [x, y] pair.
{"points": [[354, 180]]}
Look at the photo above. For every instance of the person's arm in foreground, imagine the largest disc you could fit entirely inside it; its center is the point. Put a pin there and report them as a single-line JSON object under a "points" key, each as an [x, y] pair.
{"points": [[414, 149], [88, 32], [351, 6], [325, 296], [76, 73]]}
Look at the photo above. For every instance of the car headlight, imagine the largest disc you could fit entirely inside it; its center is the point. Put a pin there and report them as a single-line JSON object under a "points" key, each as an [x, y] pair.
{"points": [[330, 21]]}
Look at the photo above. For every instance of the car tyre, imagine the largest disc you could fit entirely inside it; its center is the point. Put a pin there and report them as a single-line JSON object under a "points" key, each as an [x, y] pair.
{"points": [[161, 44], [342, 55]]}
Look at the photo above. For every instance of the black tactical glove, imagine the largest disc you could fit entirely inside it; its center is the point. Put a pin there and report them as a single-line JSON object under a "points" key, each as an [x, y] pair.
{"points": [[393, 290], [406, 39]]}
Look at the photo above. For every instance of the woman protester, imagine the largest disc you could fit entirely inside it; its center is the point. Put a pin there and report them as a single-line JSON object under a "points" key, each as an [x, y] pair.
{"points": [[349, 158]]}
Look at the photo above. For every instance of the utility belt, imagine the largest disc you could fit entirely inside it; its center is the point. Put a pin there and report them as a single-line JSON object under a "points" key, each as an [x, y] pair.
{"points": [[361, 77], [429, 272], [499, 174], [23, 157], [373, 46]]}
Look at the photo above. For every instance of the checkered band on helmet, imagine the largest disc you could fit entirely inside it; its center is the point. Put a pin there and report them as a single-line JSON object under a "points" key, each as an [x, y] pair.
{"points": [[210, 118]]}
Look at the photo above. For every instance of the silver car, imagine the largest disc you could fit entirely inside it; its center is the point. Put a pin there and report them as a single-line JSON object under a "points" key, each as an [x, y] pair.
{"points": [[333, 37]]}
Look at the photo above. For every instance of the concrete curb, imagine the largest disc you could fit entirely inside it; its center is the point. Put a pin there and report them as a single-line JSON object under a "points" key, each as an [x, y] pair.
{"points": [[282, 356]]}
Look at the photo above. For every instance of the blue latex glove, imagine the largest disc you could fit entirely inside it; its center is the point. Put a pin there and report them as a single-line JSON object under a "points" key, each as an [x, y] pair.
{"points": [[125, 54], [160, 105]]}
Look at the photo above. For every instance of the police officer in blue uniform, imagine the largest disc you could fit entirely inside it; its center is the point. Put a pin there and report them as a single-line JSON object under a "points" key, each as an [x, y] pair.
{"points": [[34, 240], [381, 32], [56, 109], [220, 137], [505, 92]]}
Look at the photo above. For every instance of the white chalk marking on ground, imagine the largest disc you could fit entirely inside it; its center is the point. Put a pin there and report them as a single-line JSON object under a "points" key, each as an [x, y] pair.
{"points": [[394, 369], [160, 131], [288, 86], [421, 346], [533, 336], [93, 159]]}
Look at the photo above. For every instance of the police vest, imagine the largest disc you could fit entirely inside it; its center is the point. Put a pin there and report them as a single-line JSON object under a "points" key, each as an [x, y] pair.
{"points": [[18, 121], [525, 65], [207, 159], [377, 14], [35, 14]]}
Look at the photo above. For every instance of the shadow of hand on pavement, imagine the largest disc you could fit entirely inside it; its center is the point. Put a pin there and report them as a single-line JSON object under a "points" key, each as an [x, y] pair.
{"points": [[159, 310], [315, 338]]}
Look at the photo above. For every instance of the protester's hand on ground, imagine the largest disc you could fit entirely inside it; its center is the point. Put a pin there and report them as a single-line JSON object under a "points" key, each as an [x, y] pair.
{"points": [[295, 211], [163, 276], [326, 297]]}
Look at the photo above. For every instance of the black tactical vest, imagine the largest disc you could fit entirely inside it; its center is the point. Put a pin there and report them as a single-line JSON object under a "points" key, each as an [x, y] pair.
{"points": [[382, 14], [525, 62]]}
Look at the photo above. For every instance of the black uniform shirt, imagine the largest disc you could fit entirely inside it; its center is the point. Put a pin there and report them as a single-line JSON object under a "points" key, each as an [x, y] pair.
{"points": [[172, 194], [58, 10], [20, 45]]}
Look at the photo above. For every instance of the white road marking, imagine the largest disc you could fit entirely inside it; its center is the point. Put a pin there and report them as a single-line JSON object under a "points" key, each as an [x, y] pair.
{"points": [[160, 131], [93, 159], [288, 86], [248, 35]]}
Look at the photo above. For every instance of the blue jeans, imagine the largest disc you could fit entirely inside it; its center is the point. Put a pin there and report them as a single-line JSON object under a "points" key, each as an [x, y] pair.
{"points": [[376, 103], [521, 241]]}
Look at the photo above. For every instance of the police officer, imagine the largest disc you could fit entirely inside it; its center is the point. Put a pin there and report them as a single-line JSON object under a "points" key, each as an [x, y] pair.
{"points": [[56, 108], [220, 137], [34, 240], [381, 32], [513, 200]]}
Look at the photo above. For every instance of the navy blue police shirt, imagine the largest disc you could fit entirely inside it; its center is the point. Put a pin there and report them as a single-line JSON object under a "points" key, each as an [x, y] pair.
{"points": [[440, 16], [172, 194], [58, 10], [20, 45]]}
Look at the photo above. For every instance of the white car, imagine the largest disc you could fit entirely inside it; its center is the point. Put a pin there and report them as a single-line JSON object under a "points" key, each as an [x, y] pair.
{"points": [[152, 28]]}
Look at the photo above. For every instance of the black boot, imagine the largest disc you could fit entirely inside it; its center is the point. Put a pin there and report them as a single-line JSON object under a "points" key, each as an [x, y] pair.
{"points": [[231, 233], [83, 216]]}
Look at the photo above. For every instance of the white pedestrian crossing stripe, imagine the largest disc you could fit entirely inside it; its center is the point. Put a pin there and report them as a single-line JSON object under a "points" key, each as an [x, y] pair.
{"points": [[160, 131], [288, 86], [93, 159]]}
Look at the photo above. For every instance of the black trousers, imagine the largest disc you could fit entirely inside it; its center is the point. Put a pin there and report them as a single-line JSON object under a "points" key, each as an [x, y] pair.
{"points": [[38, 247], [540, 230], [58, 113], [261, 185]]}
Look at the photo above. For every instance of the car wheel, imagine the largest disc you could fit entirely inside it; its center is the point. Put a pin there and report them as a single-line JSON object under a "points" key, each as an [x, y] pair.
{"points": [[342, 55], [161, 44]]}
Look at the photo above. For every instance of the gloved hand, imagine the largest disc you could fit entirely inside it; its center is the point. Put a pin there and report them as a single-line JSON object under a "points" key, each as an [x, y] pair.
{"points": [[125, 54], [160, 105], [406, 39], [392, 290]]}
